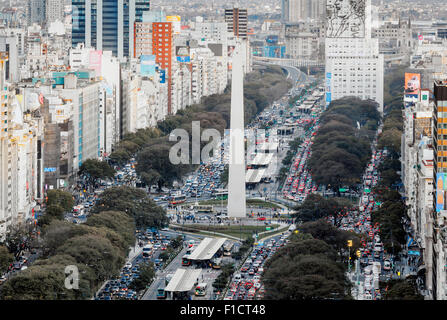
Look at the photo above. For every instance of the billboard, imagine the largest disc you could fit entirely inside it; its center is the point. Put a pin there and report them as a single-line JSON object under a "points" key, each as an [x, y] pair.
{"points": [[345, 18], [412, 83], [441, 194], [162, 76], [183, 59], [147, 65], [176, 23], [328, 88]]}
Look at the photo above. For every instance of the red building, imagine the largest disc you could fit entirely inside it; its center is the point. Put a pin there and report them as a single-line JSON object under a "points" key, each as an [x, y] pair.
{"points": [[163, 49]]}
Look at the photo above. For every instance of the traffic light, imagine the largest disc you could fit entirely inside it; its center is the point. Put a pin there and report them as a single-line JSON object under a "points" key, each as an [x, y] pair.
{"points": [[349, 243], [358, 253]]}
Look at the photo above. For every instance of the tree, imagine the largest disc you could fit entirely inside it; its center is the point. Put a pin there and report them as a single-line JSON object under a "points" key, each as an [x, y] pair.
{"points": [[6, 259], [55, 212], [401, 290], [147, 274], [155, 159], [46, 282], [390, 139], [177, 242], [338, 239], [117, 221], [95, 169], [316, 207], [305, 277], [18, 237], [135, 203], [96, 252], [222, 279], [60, 198]]}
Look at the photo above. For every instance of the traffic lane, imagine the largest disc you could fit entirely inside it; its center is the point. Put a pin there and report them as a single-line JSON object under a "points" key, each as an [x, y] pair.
{"points": [[159, 282]]}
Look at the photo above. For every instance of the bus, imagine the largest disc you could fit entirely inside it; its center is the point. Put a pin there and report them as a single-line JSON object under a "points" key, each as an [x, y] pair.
{"points": [[228, 248], [78, 210], [185, 260], [204, 209], [177, 199], [201, 289], [161, 293], [147, 250], [221, 194], [216, 262]]}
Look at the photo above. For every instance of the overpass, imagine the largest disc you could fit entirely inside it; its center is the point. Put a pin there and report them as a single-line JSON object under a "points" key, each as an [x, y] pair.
{"points": [[290, 62]]}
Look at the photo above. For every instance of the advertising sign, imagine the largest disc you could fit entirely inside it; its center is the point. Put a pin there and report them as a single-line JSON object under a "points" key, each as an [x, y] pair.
{"points": [[183, 59], [176, 23], [345, 18], [412, 83], [328, 88], [162, 76], [441, 194], [147, 65]]}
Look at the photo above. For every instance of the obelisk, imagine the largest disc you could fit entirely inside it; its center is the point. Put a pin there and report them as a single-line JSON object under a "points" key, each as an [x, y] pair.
{"points": [[236, 177]]}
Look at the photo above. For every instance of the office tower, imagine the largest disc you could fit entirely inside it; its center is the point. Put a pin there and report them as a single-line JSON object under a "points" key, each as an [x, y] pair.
{"points": [[141, 6], [107, 25], [236, 20], [35, 11], [54, 10], [163, 49], [236, 172], [440, 196], [302, 10], [354, 66]]}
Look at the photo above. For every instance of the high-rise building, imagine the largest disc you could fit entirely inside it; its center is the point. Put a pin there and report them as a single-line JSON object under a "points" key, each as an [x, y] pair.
{"points": [[440, 196], [143, 32], [302, 10], [54, 10], [236, 20], [107, 25], [163, 49], [354, 66], [36, 11]]}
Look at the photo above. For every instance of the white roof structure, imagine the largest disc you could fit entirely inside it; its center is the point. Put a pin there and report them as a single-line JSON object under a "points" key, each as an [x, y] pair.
{"points": [[207, 248], [262, 159], [270, 146], [183, 280], [254, 175]]}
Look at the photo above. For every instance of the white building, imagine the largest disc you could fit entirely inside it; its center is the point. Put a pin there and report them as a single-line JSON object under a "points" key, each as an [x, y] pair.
{"points": [[54, 10], [354, 66]]}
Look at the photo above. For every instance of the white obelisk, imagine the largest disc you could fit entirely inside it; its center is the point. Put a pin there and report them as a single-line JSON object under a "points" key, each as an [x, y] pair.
{"points": [[236, 177]]}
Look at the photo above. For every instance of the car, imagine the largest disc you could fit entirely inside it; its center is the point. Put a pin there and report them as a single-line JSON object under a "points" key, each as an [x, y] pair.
{"points": [[387, 265], [128, 265]]}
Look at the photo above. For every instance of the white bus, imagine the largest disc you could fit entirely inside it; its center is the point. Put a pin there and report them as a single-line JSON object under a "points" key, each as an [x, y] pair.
{"points": [[147, 250]]}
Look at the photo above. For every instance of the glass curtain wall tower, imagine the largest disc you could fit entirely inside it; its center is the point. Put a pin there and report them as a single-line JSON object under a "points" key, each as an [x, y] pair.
{"points": [[107, 25]]}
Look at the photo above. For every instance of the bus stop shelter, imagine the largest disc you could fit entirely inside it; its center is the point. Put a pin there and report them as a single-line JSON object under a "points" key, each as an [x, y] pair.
{"points": [[183, 282], [206, 250]]}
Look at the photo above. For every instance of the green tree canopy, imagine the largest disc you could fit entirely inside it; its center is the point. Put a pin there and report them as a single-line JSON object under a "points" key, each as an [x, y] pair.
{"points": [[96, 169], [60, 198], [135, 203]]}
